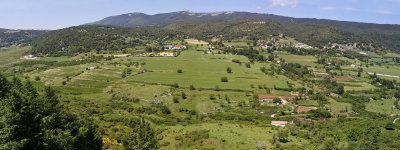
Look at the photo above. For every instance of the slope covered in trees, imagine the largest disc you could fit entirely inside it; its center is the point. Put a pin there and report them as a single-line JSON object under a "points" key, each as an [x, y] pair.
{"points": [[110, 38], [97, 38], [10, 37], [382, 34], [229, 30]]}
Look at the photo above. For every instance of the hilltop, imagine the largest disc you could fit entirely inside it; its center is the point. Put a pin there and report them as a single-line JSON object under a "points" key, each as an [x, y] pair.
{"points": [[383, 35], [10, 37]]}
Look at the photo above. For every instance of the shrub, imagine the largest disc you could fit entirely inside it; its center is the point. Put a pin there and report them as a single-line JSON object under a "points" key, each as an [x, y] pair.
{"points": [[175, 85], [184, 95], [229, 70], [175, 100], [248, 65], [179, 70], [192, 87], [224, 79], [212, 97], [37, 78]]}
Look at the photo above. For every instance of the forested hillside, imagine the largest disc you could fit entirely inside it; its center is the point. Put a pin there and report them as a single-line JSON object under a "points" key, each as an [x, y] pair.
{"points": [[319, 35], [229, 30], [111, 38], [382, 34], [11, 37], [97, 38]]}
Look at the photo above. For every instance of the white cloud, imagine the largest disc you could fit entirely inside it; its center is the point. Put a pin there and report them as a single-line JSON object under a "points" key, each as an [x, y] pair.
{"points": [[384, 12], [284, 3], [328, 8], [349, 9]]}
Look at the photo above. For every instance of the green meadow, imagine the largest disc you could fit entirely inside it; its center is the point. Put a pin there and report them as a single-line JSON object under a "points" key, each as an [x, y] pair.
{"points": [[205, 71], [382, 106], [11, 55]]}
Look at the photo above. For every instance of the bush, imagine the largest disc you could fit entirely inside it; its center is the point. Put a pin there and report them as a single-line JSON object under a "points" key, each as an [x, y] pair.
{"points": [[175, 85], [179, 71], [224, 79], [212, 97], [192, 87], [37, 78], [229, 70], [175, 100], [164, 109], [184, 95], [64, 83], [248, 65]]}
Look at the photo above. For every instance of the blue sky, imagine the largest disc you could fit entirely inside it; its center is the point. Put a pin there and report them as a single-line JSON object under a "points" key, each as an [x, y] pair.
{"points": [[56, 14]]}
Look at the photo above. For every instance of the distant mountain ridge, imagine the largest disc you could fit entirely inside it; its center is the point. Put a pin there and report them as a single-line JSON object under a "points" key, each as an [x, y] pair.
{"points": [[384, 35], [163, 19]]}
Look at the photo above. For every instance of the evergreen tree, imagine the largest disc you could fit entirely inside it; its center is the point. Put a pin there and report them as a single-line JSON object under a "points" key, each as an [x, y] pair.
{"points": [[29, 120]]}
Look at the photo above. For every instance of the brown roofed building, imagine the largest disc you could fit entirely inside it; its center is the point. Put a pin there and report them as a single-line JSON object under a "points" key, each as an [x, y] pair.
{"points": [[279, 123]]}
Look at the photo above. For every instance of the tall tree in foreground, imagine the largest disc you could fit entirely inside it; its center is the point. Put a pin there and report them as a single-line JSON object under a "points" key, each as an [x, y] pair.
{"points": [[30, 119], [141, 137]]}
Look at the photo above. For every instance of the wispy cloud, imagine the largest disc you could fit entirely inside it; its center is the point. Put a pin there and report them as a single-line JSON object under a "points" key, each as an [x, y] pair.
{"points": [[384, 12], [284, 3], [328, 8], [349, 9]]}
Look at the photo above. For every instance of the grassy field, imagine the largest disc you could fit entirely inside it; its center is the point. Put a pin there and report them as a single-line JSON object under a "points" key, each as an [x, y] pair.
{"points": [[357, 86], [222, 135], [382, 106], [392, 70], [195, 41], [108, 97], [205, 71], [238, 43], [338, 107], [12, 55], [308, 103], [302, 60]]}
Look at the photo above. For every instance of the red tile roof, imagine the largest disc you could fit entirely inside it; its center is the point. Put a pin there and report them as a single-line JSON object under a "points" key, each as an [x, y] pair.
{"points": [[279, 122]]}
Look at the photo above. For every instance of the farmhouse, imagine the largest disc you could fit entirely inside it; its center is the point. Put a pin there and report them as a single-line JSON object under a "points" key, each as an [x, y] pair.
{"points": [[279, 123], [302, 45], [270, 98], [90, 68], [175, 47], [305, 109]]}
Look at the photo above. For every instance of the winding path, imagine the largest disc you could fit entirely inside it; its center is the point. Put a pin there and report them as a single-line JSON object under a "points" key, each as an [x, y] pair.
{"points": [[394, 121]]}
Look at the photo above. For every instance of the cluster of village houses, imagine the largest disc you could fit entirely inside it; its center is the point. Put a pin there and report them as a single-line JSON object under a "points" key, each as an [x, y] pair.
{"points": [[177, 47], [283, 100]]}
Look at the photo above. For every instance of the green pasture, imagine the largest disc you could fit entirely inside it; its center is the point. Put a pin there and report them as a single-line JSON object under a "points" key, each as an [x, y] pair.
{"points": [[205, 71], [382, 106], [224, 135], [12, 55], [305, 60]]}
